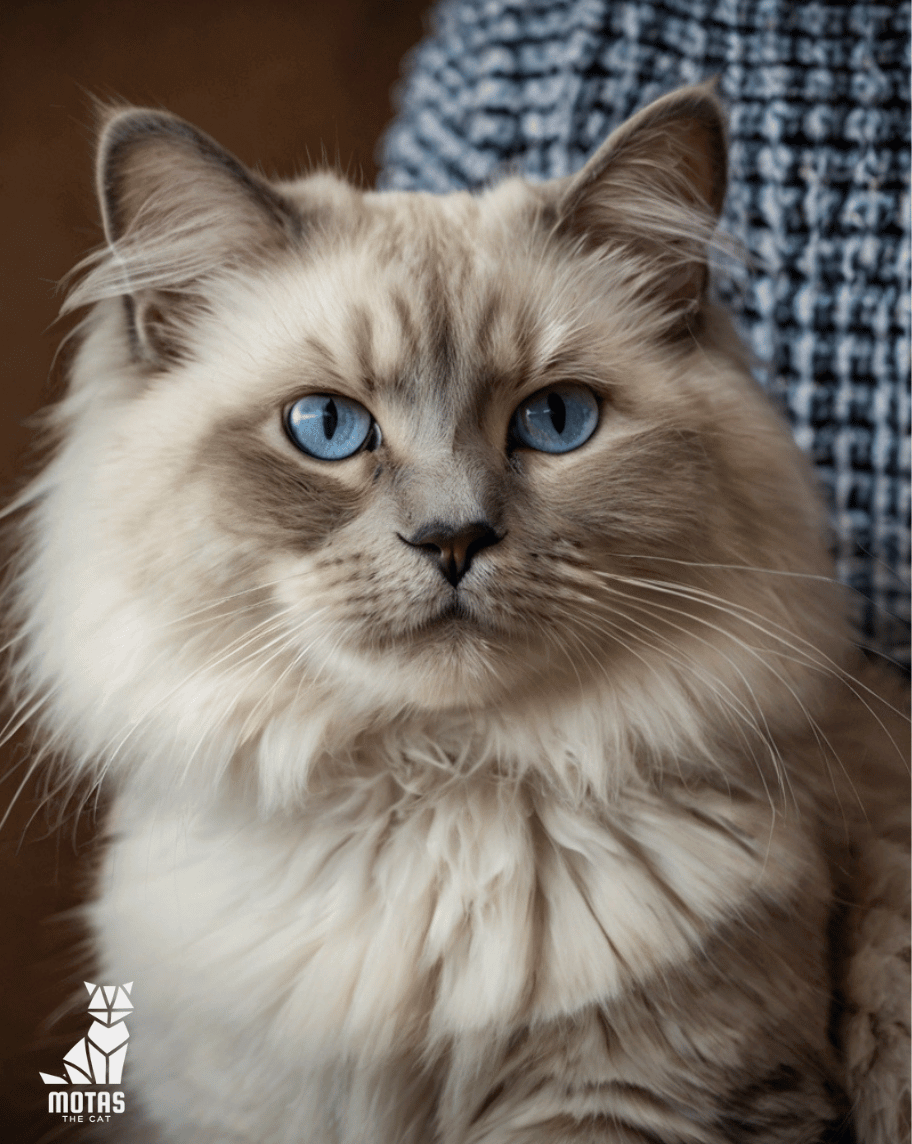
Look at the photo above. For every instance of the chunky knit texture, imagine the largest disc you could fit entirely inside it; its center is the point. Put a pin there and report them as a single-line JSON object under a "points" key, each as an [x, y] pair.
{"points": [[819, 101]]}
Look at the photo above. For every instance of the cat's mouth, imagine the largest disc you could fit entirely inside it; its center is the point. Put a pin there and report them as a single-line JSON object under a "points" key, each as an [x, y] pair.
{"points": [[453, 615], [452, 610]]}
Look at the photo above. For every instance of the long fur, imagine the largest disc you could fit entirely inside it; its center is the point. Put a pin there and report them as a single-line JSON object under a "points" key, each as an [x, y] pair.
{"points": [[550, 856]]}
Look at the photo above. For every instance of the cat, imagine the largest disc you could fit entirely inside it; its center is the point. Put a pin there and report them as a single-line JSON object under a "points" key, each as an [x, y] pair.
{"points": [[450, 617], [98, 1058]]}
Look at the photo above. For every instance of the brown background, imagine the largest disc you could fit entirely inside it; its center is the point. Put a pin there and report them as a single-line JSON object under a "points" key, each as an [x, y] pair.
{"points": [[275, 81]]}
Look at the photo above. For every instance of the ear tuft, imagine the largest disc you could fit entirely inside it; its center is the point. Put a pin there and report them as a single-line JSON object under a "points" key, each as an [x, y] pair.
{"points": [[176, 208], [153, 163], [654, 192]]}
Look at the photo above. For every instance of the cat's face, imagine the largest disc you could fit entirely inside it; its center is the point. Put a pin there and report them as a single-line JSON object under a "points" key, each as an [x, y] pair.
{"points": [[436, 346], [400, 452]]}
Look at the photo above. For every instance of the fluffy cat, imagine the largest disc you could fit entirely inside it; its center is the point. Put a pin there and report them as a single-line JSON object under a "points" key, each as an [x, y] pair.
{"points": [[452, 622]]}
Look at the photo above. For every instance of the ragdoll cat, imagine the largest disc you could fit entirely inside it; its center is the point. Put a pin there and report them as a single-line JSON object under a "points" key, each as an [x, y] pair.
{"points": [[452, 622]]}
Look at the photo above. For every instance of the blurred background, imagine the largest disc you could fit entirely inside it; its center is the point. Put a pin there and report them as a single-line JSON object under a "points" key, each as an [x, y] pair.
{"points": [[281, 84]]}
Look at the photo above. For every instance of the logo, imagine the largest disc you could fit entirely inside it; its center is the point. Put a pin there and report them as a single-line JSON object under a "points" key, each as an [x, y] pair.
{"points": [[98, 1058]]}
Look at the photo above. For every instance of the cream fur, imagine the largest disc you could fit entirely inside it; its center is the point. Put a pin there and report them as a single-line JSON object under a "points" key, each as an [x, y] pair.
{"points": [[560, 868]]}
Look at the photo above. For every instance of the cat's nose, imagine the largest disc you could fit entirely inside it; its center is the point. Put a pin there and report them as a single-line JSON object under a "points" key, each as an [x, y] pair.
{"points": [[453, 547]]}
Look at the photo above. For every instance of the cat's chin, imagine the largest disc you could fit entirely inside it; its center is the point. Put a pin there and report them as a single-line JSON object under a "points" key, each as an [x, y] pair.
{"points": [[465, 668], [457, 658], [460, 658], [461, 676]]}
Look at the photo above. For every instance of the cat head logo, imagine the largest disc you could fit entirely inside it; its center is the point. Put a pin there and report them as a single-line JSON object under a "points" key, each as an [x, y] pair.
{"points": [[99, 1057]]}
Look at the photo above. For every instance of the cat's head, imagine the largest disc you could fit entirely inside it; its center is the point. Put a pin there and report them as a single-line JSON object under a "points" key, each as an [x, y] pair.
{"points": [[109, 1004], [332, 460]]}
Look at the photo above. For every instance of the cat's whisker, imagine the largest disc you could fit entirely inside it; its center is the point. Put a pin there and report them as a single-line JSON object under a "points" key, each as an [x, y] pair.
{"points": [[763, 732], [326, 657], [823, 741], [810, 656], [739, 713], [23, 784], [765, 735], [24, 712], [591, 601], [60, 795], [810, 577], [251, 637], [287, 641], [763, 623], [813, 577], [203, 611], [298, 659], [737, 710]]}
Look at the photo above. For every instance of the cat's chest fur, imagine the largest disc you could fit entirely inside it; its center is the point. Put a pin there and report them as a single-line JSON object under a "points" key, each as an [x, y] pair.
{"points": [[379, 918]]}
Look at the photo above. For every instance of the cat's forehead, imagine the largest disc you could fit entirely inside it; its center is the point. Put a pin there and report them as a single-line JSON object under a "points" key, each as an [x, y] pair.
{"points": [[423, 297], [473, 230]]}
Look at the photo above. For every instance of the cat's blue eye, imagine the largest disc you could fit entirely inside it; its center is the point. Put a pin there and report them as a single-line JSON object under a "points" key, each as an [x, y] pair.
{"points": [[557, 419], [328, 426]]}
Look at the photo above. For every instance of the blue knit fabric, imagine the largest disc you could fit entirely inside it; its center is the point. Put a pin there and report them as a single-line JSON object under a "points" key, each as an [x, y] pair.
{"points": [[818, 93]]}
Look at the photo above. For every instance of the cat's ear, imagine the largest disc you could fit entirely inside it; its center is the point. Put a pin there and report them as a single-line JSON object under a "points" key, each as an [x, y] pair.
{"points": [[176, 207], [654, 192]]}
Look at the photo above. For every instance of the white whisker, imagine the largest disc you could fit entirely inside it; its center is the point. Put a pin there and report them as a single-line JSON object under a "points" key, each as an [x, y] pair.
{"points": [[809, 656]]}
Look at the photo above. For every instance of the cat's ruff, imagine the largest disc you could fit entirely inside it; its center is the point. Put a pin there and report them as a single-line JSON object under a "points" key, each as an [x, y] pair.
{"points": [[488, 772]]}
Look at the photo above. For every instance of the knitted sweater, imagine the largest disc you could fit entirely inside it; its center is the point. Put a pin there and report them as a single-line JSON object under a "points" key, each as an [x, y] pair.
{"points": [[818, 93]]}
